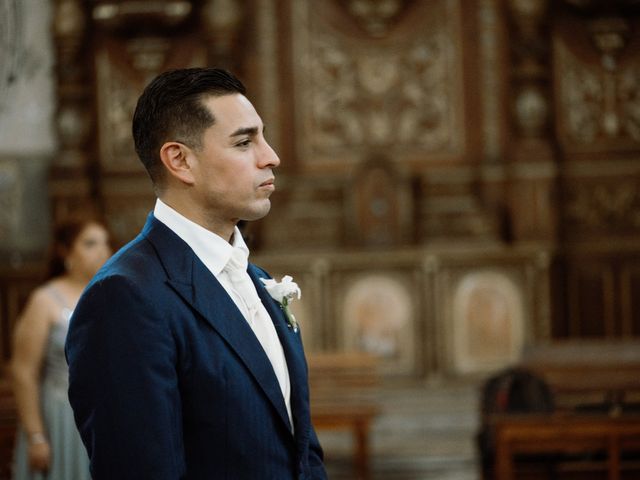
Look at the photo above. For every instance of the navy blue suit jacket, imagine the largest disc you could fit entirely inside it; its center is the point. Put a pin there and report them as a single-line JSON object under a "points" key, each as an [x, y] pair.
{"points": [[168, 381]]}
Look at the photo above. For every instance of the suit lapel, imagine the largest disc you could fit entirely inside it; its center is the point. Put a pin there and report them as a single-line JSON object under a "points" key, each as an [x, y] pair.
{"points": [[199, 288], [294, 354]]}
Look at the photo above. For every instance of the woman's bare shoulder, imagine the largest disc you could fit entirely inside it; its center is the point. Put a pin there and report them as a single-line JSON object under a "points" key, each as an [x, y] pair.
{"points": [[41, 303]]}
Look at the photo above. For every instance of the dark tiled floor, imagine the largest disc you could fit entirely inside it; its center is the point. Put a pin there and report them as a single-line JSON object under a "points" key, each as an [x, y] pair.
{"points": [[425, 432]]}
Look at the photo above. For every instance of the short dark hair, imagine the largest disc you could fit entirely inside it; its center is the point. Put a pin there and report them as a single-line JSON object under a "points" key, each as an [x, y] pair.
{"points": [[65, 233], [171, 109]]}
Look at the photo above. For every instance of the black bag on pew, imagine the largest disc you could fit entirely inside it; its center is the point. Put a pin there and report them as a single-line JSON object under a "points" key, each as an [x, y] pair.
{"points": [[513, 390]]}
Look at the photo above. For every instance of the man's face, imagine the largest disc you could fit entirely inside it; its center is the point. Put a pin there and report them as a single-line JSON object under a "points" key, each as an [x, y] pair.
{"points": [[233, 170]]}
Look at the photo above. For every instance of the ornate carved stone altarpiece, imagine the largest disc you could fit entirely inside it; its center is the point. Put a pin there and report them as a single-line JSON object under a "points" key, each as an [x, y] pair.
{"points": [[472, 162]]}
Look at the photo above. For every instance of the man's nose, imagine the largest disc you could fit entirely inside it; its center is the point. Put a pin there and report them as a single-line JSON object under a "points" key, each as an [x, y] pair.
{"points": [[268, 157]]}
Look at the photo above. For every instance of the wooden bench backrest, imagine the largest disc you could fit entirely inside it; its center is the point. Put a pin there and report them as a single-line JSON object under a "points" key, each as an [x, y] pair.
{"points": [[342, 372]]}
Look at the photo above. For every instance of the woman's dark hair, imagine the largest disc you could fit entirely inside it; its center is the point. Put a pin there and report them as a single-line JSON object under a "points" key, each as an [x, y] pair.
{"points": [[171, 109], [65, 233]]}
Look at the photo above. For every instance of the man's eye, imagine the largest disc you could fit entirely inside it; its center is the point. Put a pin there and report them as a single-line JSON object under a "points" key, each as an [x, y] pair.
{"points": [[244, 143]]}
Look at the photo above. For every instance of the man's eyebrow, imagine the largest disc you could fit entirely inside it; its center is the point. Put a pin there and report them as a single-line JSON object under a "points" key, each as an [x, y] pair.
{"points": [[246, 131]]}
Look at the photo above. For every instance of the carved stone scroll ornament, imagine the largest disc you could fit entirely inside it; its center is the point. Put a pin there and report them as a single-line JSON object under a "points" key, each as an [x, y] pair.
{"points": [[606, 206], [375, 17]]}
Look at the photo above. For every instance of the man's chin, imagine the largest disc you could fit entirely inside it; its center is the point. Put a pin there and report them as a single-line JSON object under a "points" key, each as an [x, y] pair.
{"points": [[257, 213]]}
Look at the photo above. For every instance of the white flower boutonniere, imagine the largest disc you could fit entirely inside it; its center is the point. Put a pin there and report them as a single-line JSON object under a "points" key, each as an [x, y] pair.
{"points": [[282, 292]]}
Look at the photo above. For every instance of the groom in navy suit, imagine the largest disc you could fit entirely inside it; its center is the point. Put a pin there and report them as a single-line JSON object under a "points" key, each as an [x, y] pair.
{"points": [[181, 364]]}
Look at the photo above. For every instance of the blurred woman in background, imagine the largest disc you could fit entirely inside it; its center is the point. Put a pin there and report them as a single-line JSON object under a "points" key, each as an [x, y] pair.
{"points": [[48, 444]]}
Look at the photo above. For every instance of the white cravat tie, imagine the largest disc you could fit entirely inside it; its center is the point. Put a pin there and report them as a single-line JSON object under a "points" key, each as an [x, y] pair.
{"points": [[259, 320], [236, 269]]}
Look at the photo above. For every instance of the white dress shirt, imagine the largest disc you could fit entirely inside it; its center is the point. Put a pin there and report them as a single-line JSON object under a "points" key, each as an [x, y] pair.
{"points": [[215, 252]]}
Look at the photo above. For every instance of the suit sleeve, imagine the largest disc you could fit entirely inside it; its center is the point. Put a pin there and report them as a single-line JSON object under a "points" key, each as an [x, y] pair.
{"points": [[123, 384]]}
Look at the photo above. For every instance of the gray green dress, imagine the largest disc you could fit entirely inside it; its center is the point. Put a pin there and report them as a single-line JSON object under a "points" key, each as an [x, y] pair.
{"points": [[69, 459]]}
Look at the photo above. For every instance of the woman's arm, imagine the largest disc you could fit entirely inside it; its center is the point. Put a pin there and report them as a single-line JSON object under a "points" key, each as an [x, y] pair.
{"points": [[29, 343]]}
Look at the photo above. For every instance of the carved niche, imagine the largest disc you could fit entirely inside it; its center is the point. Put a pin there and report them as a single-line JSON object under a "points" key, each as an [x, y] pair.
{"points": [[379, 210]]}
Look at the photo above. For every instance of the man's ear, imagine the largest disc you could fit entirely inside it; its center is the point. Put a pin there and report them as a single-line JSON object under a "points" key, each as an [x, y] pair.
{"points": [[176, 158]]}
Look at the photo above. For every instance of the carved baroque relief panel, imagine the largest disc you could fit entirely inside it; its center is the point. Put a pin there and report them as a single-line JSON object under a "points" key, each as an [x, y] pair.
{"points": [[117, 96], [360, 85], [123, 68], [599, 102], [605, 208]]}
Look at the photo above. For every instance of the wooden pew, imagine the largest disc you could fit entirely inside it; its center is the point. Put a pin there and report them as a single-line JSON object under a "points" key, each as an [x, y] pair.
{"points": [[605, 372], [342, 390], [567, 435], [595, 385]]}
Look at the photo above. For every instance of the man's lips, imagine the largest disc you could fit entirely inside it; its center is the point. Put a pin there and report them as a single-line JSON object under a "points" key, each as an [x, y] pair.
{"points": [[268, 183]]}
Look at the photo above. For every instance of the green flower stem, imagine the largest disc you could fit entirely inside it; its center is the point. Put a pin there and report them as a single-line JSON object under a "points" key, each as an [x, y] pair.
{"points": [[291, 320]]}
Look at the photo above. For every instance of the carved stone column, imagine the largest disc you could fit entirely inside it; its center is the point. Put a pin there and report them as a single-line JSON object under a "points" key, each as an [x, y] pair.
{"points": [[221, 20], [70, 178], [533, 167]]}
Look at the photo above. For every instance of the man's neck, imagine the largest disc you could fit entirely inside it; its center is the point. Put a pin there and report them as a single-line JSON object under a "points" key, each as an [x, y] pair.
{"points": [[218, 226]]}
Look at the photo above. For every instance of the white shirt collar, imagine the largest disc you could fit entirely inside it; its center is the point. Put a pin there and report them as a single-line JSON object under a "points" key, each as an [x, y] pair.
{"points": [[213, 250]]}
